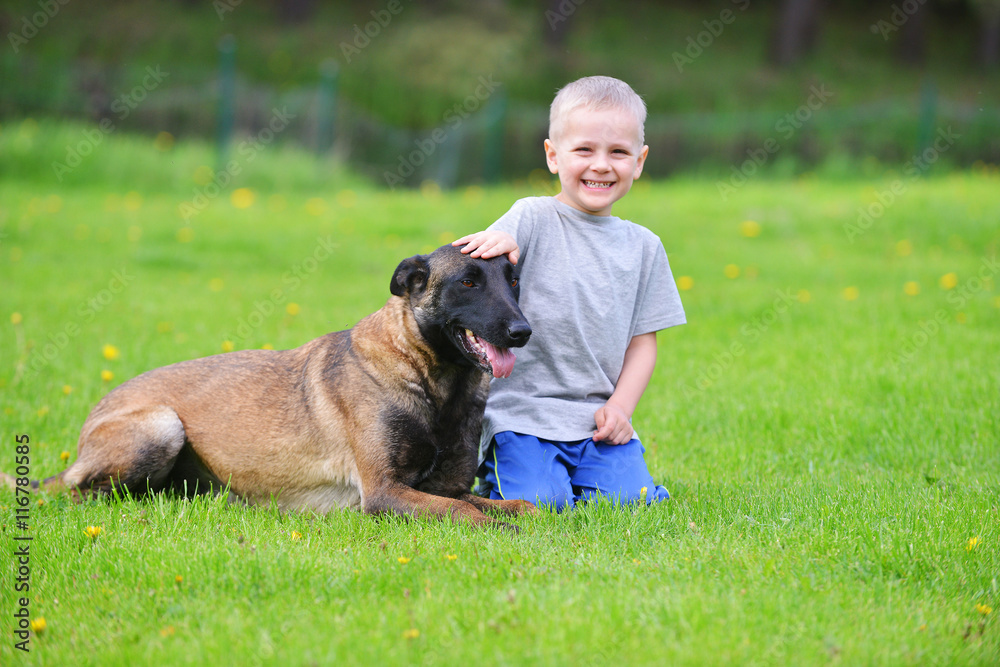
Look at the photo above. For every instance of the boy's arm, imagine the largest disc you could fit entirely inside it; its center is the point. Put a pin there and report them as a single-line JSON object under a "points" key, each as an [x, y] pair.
{"points": [[612, 419], [490, 243]]}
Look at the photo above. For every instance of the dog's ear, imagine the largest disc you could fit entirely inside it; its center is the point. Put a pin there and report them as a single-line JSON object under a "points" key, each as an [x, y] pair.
{"points": [[410, 276]]}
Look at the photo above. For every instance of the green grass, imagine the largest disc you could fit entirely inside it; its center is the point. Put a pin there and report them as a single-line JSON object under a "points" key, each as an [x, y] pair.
{"points": [[835, 473]]}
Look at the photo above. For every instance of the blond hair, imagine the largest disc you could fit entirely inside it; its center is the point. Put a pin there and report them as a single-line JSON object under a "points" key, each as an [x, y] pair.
{"points": [[596, 93]]}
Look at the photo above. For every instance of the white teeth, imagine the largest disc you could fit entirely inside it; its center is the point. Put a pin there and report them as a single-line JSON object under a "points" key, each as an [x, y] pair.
{"points": [[596, 184], [475, 341]]}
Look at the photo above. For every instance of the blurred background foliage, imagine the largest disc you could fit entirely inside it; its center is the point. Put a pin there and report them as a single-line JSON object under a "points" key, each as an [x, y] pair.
{"points": [[458, 92]]}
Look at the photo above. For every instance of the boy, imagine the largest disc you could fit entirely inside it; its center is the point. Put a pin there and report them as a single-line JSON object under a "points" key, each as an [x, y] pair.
{"points": [[595, 289]]}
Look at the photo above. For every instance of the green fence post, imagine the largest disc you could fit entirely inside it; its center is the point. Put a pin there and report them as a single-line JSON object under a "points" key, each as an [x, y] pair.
{"points": [[928, 112], [227, 95], [496, 121], [327, 105]]}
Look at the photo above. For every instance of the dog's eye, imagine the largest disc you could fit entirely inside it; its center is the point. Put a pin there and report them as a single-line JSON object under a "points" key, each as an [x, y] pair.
{"points": [[468, 283], [513, 283]]}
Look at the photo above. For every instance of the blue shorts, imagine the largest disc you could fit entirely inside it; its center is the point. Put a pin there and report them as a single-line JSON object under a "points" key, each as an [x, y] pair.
{"points": [[560, 474]]}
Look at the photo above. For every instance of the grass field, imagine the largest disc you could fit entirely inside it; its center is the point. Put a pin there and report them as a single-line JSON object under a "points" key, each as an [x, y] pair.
{"points": [[827, 424]]}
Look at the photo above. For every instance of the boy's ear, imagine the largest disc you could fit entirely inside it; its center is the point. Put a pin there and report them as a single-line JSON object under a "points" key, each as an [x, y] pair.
{"points": [[550, 156], [640, 162]]}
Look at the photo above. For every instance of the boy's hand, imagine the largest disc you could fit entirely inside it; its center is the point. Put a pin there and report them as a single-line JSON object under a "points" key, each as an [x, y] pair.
{"points": [[613, 427], [490, 243]]}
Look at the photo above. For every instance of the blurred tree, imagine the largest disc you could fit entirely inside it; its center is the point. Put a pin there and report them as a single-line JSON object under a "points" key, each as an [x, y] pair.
{"points": [[989, 31], [795, 31], [912, 46], [294, 11]]}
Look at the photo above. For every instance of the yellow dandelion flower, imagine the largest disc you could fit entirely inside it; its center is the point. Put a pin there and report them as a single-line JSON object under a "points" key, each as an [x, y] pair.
{"points": [[40, 502], [403, 559], [850, 294], [110, 352], [731, 271], [64, 456], [347, 198], [296, 535], [164, 327], [473, 195], [685, 283], [804, 296], [972, 543], [430, 189], [904, 248], [949, 281], [267, 346], [316, 206], [16, 318], [107, 375], [292, 309], [216, 284], [911, 288], [67, 389], [164, 141], [452, 556], [42, 411], [242, 197], [984, 609], [185, 235], [93, 531], [227, 346], [750, 228], [167, 631], [411, 633], [38, 625], [132, 201], [203, 175], [178, 579]]}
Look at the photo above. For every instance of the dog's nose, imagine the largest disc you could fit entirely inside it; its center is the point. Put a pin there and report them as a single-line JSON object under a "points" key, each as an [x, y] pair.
{"points": [[518, 332]]}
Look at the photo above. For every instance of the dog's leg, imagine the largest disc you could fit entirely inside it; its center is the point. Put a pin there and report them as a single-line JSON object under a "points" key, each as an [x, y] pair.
{"points": [[512, 507], [135, 448], [403, 500]]}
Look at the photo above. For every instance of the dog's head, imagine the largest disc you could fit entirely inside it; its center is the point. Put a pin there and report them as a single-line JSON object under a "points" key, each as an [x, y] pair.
{"points": [[465, 308]]}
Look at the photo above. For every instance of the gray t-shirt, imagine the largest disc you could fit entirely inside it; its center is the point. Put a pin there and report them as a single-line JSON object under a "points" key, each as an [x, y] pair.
{"points": [[588, 285]]}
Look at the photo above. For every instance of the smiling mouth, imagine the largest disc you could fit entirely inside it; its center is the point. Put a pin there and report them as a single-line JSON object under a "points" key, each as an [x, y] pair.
{"points": [[598, 185], [496, 360]]}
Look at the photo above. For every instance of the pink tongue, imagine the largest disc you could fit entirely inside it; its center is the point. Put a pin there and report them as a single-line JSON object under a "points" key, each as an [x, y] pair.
{"points": [[501, 358]]}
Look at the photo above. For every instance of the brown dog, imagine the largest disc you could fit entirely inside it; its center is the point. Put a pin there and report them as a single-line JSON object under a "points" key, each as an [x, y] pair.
{"points": [[386, 415]]}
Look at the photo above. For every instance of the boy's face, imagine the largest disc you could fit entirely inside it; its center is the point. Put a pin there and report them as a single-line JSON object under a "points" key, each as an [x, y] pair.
{"points": [[597, 156]]}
